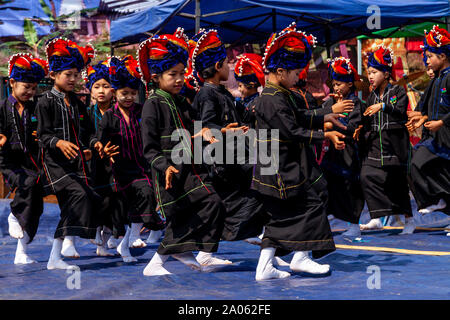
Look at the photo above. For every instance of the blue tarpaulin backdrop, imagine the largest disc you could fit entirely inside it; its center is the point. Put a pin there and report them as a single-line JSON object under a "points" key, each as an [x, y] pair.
{"points": [[254, 20]]}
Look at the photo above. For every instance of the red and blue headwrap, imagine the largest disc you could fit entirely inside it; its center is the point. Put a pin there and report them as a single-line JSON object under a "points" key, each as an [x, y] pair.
{"points": [[208, 50], [64, 54], [124, 72], [249, 69], [290, 49], [436, 41], [381, 59], [22, 67], [341, 69], [96, 72], [162, 52]]}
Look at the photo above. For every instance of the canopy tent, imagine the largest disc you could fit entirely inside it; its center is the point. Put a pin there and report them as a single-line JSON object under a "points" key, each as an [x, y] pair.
{"points": [[415, 30], [251, 21]]}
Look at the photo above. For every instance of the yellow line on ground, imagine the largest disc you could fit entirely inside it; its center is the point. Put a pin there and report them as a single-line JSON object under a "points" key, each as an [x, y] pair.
{"points": [[394, 250]]}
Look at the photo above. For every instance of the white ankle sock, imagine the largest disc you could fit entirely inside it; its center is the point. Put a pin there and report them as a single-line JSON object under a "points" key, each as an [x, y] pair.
{"points": [[155, 266], [207, 259], [68, 248], [123, 247], [112, 243], [265, 269], [439, 206], [135, 236], [102, 250], [15, 230], [410, 226], [302, 263], [188, 259], [374, 224], [55, 261], [21, 251]]}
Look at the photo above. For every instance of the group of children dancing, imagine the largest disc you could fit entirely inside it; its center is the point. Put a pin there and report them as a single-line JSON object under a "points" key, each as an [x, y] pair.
{"points": [[112, 168]]}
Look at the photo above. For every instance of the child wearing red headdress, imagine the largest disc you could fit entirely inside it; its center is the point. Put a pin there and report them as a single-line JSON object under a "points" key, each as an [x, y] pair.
{"points": [[63, 132], [19, 154], [387, 148]]}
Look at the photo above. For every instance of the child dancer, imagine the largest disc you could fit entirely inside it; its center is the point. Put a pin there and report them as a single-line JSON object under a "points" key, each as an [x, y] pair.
{"points": [[297, 220], [387, 146], [250, 76], [342, 167], [216, 108], [120, 126], [113, 212], [430, 165], [63, 154], [186, 197], [19, 154]]}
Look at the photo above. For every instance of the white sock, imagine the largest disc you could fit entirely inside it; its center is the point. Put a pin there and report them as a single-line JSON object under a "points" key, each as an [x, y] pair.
{"points": [[98, 236], [155, 266], [207, 259], [374, 224], [154, 236], [15, 230], [188, 259], [55, 261], [265, 269], [440, 205], [21, 251], [123, 247], [353, 231], [410, 226], [102, 250], [112, 243], [68, 248], [135, 236], [255, 240], [280, 262], [302, 263]]}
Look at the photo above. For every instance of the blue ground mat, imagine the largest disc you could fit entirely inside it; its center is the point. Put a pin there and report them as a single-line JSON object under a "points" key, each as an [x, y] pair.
{"points": [[356, 274]]}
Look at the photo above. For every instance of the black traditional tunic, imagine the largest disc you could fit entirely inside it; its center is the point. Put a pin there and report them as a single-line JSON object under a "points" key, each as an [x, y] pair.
{"points": [[386, 154], [113, 212], [130, 169], [216, 108], [297, 218], [430, 164], [193, 210], [19, 159], [68, 179], [245, 109], [342, 168]]}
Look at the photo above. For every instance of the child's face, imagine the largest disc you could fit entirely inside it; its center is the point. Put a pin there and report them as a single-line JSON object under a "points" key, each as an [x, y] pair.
{"points": [[288, 78], [23, 91], [341, 87], [224, 71], [102, 91], [435, 61], [126, 97], [246, 91], [376, 77], [430, 73], [171, 80], [66, 79]]}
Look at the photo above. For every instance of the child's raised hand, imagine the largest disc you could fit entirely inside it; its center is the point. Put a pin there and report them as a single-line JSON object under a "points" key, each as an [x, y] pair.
{"points": [[357, 133], [411, 114], [87, 154], [434, 125], [169, 176], [68, 149], [334, 119], [343, 106], [110, 151], [370, 111], [3, 140], [233, 127], [415, 122], [206, 134], [98, 146], [335, 137], [34, 134]]}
